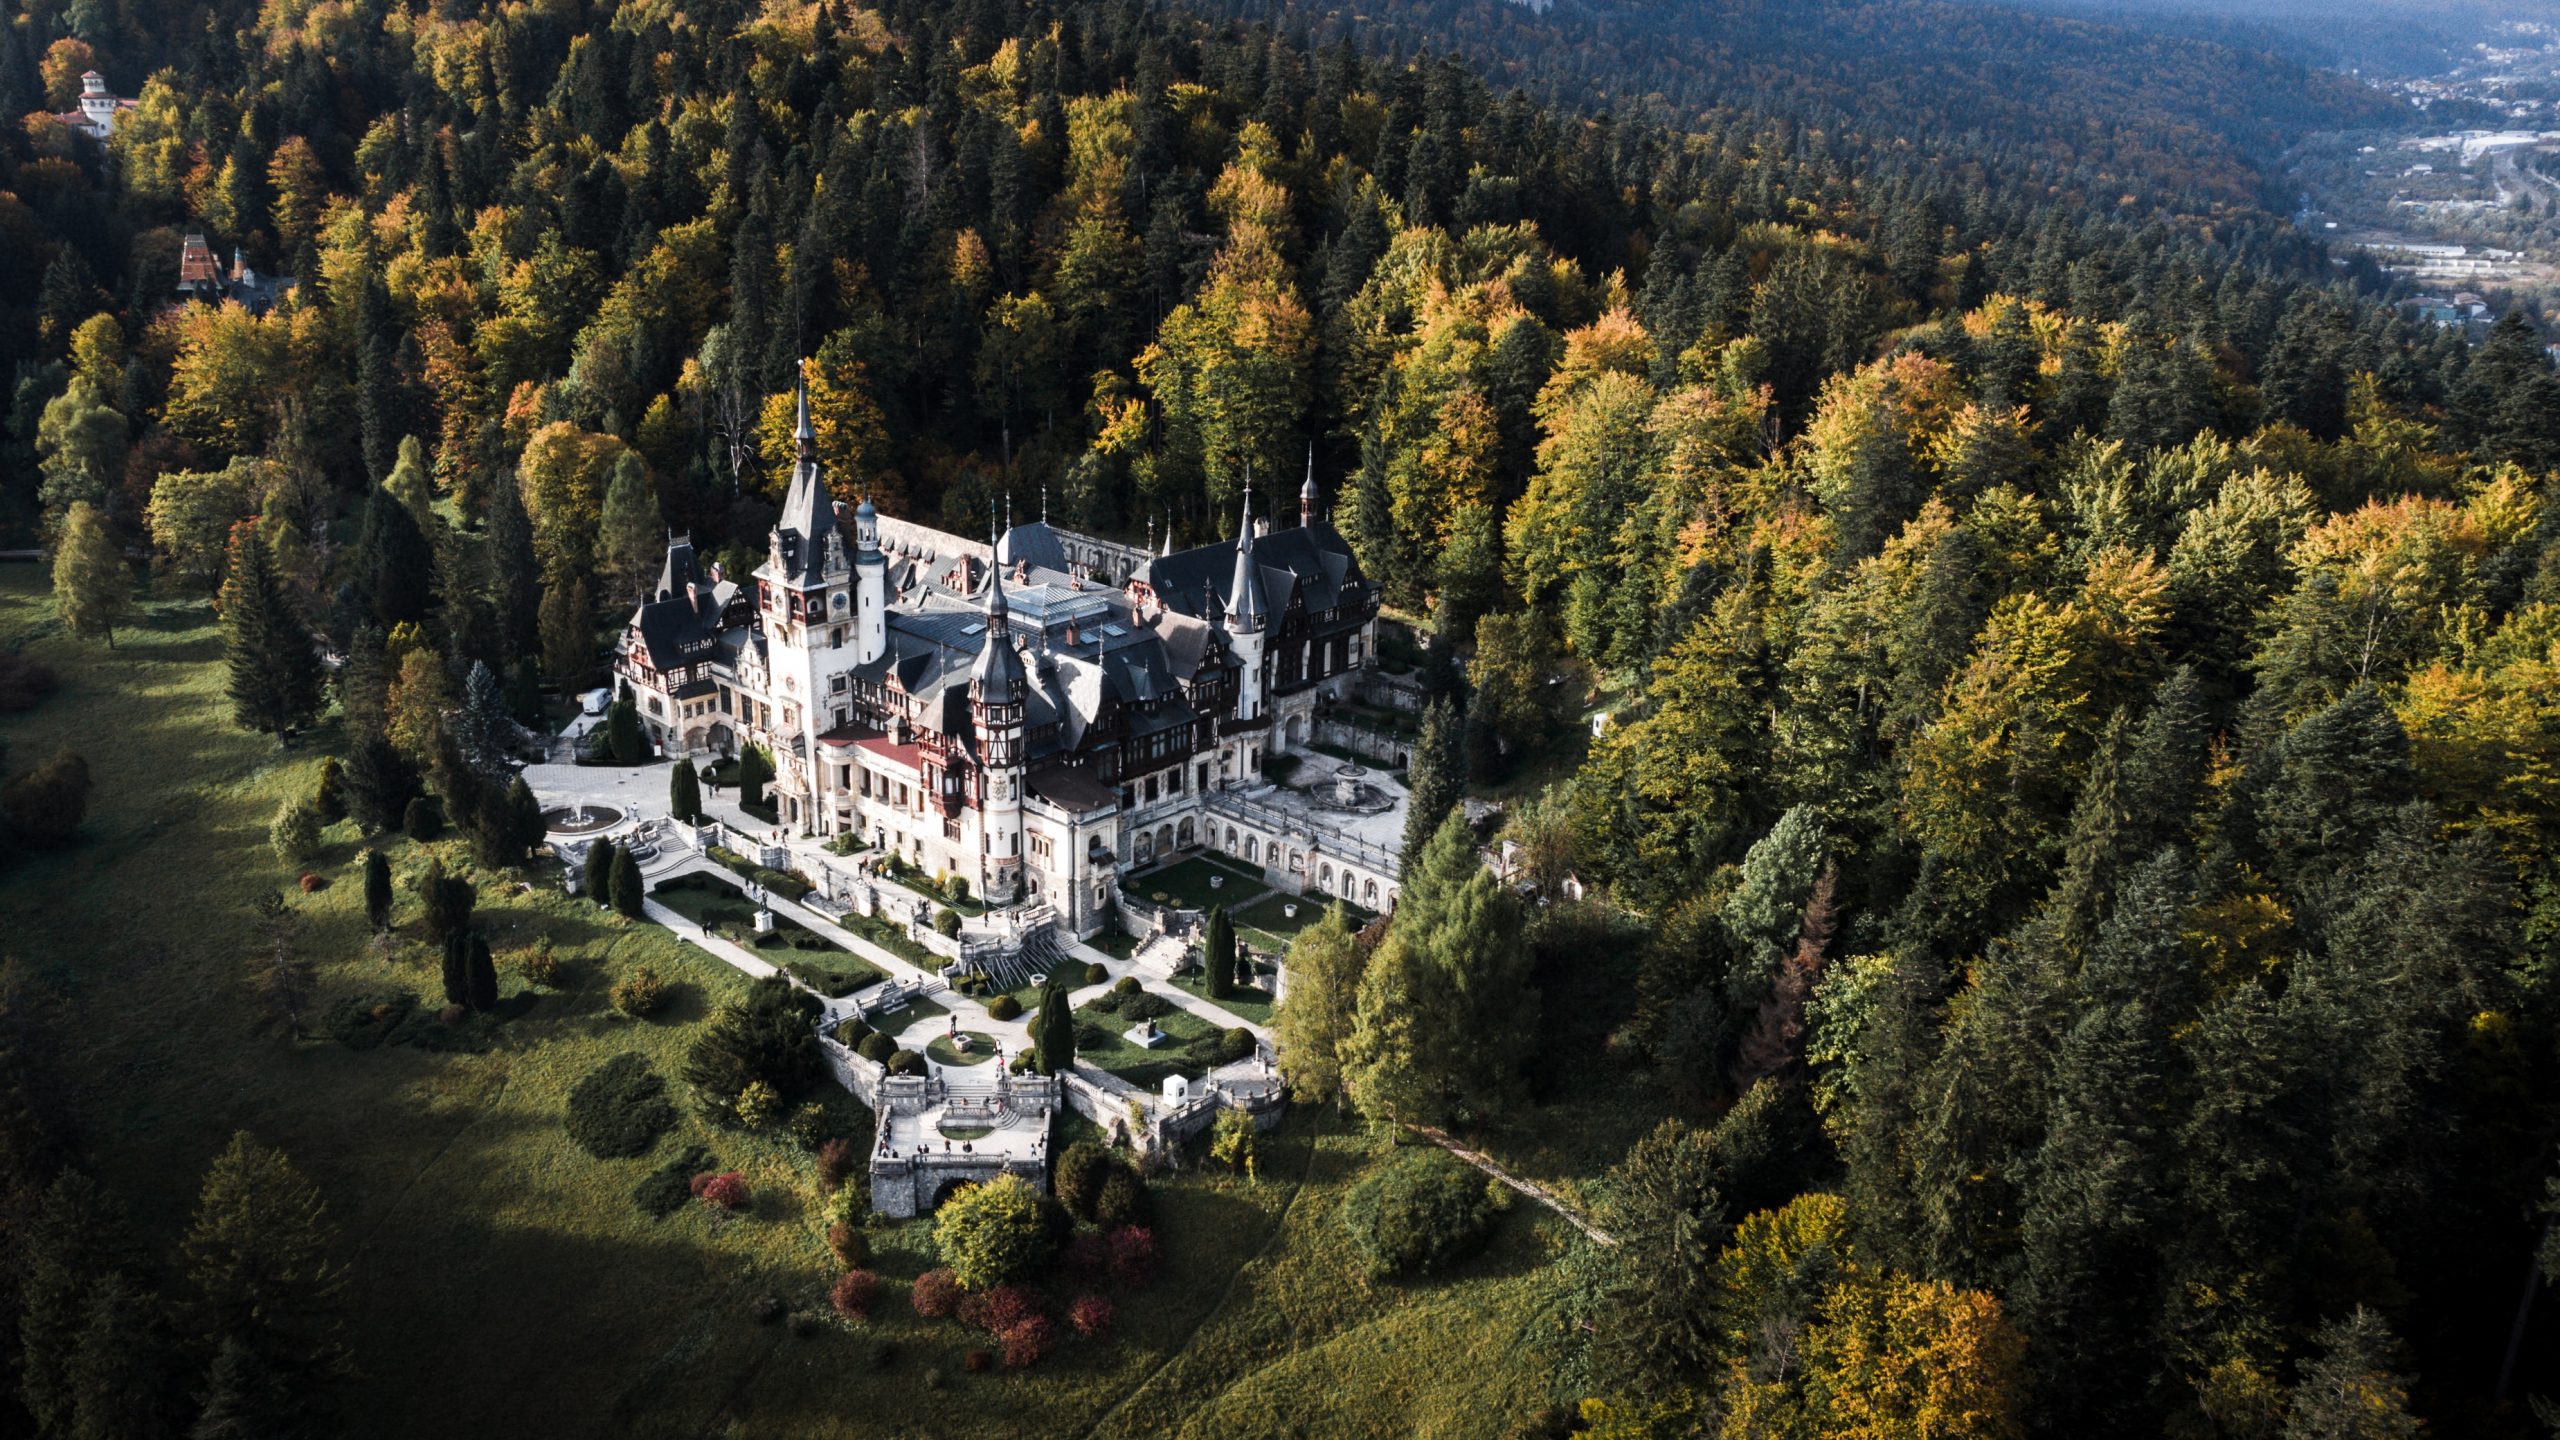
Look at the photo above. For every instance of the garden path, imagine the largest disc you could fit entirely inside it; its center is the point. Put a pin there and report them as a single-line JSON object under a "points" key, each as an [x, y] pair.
{"points": [[1530, 1188]]}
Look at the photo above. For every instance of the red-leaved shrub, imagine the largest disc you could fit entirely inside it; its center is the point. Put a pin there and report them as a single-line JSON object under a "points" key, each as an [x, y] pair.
{"points": [[835, 1161], [977, 1360], [1027, 1340], [1133, 1257], [311, 882], [1091, 1315], [936, 1294], [853, 1294], [728, 1190], [1000, 1309]]}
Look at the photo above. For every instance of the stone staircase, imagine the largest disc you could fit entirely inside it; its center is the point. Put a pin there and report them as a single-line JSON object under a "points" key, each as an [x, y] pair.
{"points": [[1161, 955]]}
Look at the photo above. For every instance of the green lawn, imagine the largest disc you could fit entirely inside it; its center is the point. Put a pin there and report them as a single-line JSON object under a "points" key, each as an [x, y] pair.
{"points": [[917, 1010], [710, 900], [1187, 883], [982, 1048], [483, 1245], [1143, 1066], [1253, 1004]]}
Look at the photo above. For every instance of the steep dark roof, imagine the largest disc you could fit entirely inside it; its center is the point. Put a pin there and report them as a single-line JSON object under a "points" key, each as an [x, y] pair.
{"points": [[1311, 564]]}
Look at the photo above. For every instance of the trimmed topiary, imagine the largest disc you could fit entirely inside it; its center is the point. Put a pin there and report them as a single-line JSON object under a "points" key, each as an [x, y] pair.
{"points": [[1004, 1007]]}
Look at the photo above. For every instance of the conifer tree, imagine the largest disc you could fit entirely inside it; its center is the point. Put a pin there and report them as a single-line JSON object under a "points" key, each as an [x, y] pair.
{"points": [[457, 968], [381, 783], [568, 646], [76, 1237], [1446, 1015], [377, 890], [1218, 953], [1053, 1030], [622, 732], [481, 976], [595, 876], [260, 1259], [628, 889], [1437, 778], [516, 595], [275, 673], [394, 567], [634, 533], [684, 793], [92, 586]]}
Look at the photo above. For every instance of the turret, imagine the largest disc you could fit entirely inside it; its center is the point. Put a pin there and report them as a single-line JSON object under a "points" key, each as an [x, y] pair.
{"points": [[1244, 618], [1307, 492], [997, 687], [870, 586]]}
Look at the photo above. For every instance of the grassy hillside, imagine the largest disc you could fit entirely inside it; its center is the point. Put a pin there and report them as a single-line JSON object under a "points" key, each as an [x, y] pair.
{"points": [[504, 1281]]}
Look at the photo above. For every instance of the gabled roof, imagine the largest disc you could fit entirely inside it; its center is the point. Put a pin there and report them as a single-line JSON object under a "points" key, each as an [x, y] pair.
{"points": [[1310, 564]]}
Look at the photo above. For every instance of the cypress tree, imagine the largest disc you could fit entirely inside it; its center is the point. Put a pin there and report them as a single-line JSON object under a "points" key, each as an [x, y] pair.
{"points": [[1053, 1032], [596, 875], [480, 976], [1218, 953], [515, 575], [457, 968], [446, 901], [684, 793], [753, 771], [524, 815], [628, 888], [377, 890], [274, 672], [622, 732]]}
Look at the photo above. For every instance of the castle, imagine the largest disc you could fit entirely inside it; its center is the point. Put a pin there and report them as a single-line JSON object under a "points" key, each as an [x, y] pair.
{"points": [[1001, 711]]}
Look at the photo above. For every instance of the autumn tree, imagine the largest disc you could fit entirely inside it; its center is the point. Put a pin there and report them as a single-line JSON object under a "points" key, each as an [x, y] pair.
{"points": [[1313, 1023], [92, 586]]}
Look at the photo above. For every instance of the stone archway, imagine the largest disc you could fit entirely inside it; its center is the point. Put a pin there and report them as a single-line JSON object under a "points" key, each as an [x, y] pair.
{"points": [[1186, 840], [1164, 840]]}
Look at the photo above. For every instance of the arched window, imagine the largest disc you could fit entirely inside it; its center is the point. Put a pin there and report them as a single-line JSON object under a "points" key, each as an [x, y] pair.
{"points": [[1146, 849], [1252, 850], [1326, 880], [1373, 895]]}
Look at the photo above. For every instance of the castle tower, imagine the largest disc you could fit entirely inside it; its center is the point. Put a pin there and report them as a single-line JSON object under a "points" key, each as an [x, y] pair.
{"points": [[805, 593], [997, 691], [1307, 492]]}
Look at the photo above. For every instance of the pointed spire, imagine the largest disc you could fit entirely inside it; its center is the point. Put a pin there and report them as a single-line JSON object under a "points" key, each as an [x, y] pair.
{"points": [[998, 619], [1307, 492], [803, 435], [1244, 598]]}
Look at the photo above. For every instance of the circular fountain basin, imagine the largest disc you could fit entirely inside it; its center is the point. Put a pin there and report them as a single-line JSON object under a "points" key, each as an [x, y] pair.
{"points": [[582, 820]]}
